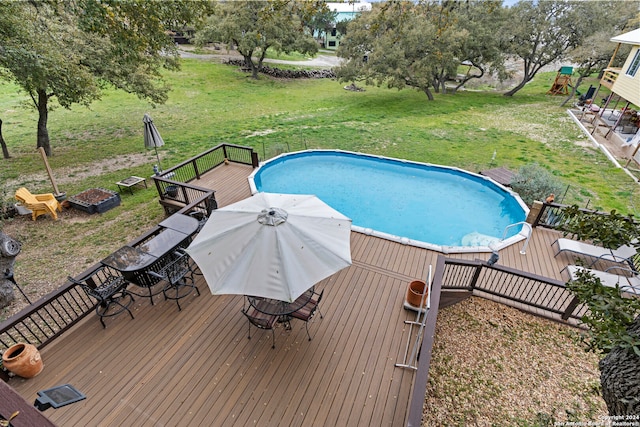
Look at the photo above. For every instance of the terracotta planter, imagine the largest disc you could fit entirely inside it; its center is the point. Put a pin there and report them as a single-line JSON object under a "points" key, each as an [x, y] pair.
{"points": [[414, 293], [23, 360]]}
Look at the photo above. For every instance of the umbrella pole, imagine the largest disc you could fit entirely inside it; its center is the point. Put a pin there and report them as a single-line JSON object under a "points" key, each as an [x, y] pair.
{"points": [[159, 166]]}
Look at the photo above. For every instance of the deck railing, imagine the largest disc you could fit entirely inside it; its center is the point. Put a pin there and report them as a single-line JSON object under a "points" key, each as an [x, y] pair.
{"points": [[43, 321], [539, 295], [47, 318], [195, 167], [551, 215], [173, 184], [554, 216], [542, 296]]}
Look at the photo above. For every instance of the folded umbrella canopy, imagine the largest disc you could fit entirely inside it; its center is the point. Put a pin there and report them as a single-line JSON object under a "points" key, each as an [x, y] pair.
{"points": [[272, 245], [152, 138]]}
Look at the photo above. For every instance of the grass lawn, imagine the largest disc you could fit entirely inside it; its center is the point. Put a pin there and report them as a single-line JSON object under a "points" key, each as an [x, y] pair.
{"points": [[213, 103]]}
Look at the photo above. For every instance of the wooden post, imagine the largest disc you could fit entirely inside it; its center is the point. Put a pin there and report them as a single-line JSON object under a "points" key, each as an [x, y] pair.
{"points": [[46, 163], [633, 155]]}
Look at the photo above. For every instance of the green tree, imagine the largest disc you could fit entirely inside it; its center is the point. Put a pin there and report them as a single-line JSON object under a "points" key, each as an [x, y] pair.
{"points": [[420, 45], [253, 27], [317, 18], [542, 32], [604, 19], [342, 27], [591, 56], [65, 52], [611, 231], [612, 317], [483, 49], [389, 45], [613, 323]]}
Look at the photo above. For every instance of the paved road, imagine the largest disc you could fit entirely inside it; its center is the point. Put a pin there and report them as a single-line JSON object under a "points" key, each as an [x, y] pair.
{"points": [[319, 61]]}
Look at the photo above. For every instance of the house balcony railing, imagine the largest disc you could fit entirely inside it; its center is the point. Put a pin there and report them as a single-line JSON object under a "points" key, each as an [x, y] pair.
{"points": [[609, 77]]}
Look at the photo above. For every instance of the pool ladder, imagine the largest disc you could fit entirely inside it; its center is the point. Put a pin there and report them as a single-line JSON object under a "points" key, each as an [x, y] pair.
{"points": [[523, 251]]}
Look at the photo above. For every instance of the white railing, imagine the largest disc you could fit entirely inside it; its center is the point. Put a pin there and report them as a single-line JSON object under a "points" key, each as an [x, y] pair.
{"points": [[523, 251]]}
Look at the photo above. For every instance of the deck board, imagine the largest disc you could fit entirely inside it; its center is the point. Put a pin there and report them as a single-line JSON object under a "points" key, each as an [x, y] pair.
{"points": [[197, 366]]}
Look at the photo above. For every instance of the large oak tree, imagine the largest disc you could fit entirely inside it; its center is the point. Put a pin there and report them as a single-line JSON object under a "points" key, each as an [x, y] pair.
{"points": [[604, 19], [421, 44], [554, 30], [254, 27], [66, 52]]}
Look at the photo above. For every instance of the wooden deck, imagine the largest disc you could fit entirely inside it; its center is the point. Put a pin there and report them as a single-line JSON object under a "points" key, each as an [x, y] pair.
{"points": [[197, 367]]}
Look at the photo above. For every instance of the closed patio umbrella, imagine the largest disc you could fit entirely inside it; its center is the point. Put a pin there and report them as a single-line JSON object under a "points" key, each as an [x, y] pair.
{"points": [[152, 138], [272, 245]]}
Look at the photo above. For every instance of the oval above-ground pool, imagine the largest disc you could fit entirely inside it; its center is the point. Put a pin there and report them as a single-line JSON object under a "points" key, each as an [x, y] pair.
{"points": [[435, 207]]}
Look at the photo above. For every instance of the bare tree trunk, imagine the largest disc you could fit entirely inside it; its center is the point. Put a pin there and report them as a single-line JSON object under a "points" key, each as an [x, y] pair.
{"points": [[574, 89], [248, 62], [43, 117], [254, 70], [263, 54], [469, 77], [530, 71], [5, 150], [620, 378], [428, 93], [517, 88]]}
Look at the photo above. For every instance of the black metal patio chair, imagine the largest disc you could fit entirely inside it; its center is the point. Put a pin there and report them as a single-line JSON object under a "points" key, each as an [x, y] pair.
{"points": [[110, 291], [178, 274], [261, 321], [307, 312]]}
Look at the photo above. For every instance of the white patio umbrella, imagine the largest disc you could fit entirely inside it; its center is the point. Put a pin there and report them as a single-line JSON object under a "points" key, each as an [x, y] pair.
{"points": [[272, 245], [152, 138]]}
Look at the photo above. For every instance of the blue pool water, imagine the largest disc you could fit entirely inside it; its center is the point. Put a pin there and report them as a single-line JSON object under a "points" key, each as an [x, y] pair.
{"points": [[431, 204]]}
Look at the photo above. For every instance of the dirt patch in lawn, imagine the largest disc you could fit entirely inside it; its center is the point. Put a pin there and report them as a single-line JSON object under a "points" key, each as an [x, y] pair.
{"points": [[68, 175]]}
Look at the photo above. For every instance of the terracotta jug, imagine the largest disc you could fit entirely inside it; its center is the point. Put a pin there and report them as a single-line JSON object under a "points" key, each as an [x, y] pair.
{"points": [[23, 360], [414, 293]]}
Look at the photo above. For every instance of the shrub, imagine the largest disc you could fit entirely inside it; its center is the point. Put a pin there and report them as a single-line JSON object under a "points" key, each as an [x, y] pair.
{"points": [[533, 182], [609, 230]]}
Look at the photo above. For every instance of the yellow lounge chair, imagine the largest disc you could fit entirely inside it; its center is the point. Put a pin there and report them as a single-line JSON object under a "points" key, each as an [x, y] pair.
{"points": [[39, 204]]}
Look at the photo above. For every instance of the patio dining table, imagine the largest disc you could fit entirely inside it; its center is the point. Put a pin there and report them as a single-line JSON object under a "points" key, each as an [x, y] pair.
{"points": [[134, 262]]}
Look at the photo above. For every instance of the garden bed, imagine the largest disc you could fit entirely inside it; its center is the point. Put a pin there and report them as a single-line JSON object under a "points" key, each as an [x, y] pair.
{"points": [[95, 200]]}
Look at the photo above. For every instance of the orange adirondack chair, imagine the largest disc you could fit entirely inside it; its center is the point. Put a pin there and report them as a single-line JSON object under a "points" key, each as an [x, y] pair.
{"points": [[39, 204]]}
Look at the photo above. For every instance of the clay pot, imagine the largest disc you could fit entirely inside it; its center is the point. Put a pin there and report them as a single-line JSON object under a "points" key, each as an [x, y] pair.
{"points": [[23, 360], [414, 293]]}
